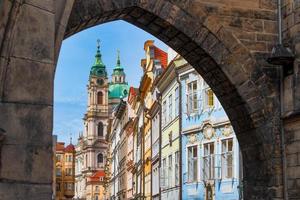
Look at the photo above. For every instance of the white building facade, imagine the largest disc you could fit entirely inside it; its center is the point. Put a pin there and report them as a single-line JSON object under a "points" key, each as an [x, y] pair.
{"points": [[92, 146]]}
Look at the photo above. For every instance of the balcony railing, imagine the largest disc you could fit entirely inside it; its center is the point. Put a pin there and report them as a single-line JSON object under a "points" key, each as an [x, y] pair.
{"points": [[213, 166], [218, 166], [209, 167]]}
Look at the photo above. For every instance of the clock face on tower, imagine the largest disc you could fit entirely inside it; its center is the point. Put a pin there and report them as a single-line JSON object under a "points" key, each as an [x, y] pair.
{"points": [[100, 81]]}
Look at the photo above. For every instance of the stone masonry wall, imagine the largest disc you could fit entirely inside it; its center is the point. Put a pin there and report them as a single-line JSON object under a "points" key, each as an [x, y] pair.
{"points": [[292, 133], [26, 99], [226, 41], [291, 100]]}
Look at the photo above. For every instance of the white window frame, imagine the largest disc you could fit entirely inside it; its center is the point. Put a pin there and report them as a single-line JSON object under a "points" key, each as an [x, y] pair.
{"points": [[224, 155], [187, 163], [170, 107], [176, 168], [170, 170], [164, 113], [211, 158], [191, 94], [177, 101], [163, 174], [206, 106]]}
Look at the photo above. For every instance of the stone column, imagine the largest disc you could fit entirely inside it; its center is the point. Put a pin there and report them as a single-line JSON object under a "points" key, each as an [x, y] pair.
{"points": [[26, 99]]}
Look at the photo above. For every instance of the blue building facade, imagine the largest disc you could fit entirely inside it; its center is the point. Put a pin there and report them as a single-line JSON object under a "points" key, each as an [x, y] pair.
{"points": [[210, 156]]}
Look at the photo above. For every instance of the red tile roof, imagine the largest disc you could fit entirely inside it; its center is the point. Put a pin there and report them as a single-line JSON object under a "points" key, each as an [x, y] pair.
{"points": [[132, 93], [162, 56], [96, 176], [70, 148], [60, 146]]}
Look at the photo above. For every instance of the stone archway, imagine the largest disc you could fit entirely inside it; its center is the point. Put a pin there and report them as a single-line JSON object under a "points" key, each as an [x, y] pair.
{"points": [[230, 65]]}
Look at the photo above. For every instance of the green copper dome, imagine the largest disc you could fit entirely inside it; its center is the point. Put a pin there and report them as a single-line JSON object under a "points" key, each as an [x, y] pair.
{"points": [[98, 69], [118, 90]]}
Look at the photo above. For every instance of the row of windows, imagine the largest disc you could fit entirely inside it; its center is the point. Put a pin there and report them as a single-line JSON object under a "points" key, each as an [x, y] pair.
{"points": [[212, 165], [68, 158], [170, 171], [68, 171], [100, 161], [197, 100], [118, 79], [173, 104], [67, 186], [100, 128], [100, 97]]}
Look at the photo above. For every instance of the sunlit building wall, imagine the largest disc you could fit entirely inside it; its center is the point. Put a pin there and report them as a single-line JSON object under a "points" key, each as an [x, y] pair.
{"points": [[210, 151], [64, 171], [168, 85]]}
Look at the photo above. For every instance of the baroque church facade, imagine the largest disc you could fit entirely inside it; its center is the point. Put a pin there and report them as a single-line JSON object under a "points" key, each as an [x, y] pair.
{"points": [[91, 150]]}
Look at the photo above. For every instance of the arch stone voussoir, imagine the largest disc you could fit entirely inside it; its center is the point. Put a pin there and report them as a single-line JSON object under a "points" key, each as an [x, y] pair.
{"points": [[218, 39]]}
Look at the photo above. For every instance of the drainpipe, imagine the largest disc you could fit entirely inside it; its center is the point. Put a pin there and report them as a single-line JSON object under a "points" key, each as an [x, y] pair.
{"points": [[285, 193], [283, 57], [180, 135], [279, 22]]}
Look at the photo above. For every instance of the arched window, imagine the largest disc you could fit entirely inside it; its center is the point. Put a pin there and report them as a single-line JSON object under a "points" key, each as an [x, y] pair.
{"points": [[100, 158], [100, 98], [100, 129]]}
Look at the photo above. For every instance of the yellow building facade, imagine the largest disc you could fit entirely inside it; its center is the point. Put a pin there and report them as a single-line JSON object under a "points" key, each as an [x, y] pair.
{"points": [[136, 145], [168, 85], [153, 65], [95, 186], [64, 171]]}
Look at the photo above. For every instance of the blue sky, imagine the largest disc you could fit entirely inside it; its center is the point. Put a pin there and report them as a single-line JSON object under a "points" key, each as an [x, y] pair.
{"points": [[74, 63]]}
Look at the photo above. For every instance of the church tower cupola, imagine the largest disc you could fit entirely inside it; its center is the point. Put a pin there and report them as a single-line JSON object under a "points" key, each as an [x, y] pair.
{"points": [[118, 88], [98, 69], [118, 75]]}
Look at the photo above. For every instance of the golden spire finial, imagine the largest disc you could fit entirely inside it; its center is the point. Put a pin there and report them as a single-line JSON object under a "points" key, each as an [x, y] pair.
{"points": [[98, 44], [118, 58], [70, 138]]}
